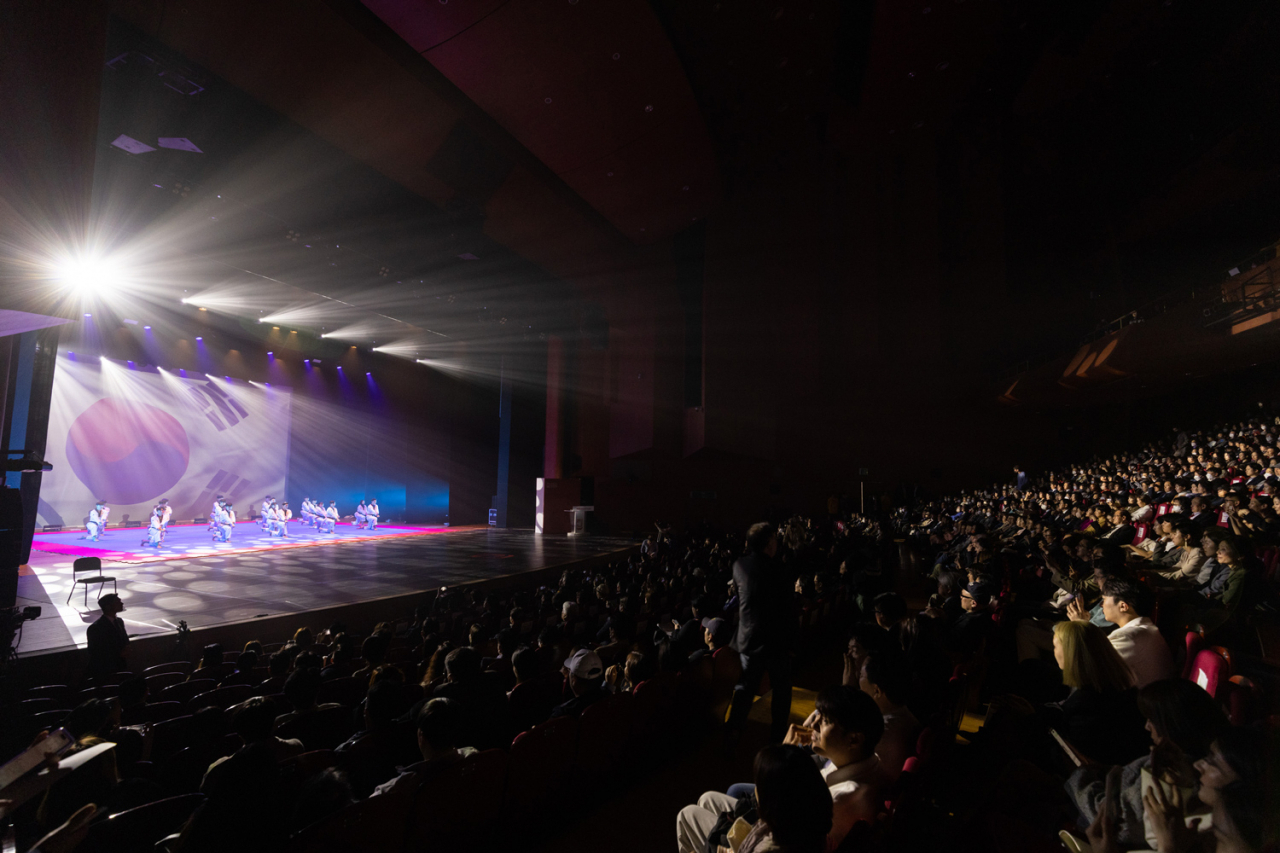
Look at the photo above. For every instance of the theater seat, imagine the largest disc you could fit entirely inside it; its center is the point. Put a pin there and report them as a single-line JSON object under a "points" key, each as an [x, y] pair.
{"points": [[375, 825], [138, 829], [1210, 670], [602, 738], [538, 772], [460, 808]]}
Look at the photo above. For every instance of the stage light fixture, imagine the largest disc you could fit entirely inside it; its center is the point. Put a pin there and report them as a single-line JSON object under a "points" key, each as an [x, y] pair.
{"points": [[199, 339], [89, 276], [146, 328]]}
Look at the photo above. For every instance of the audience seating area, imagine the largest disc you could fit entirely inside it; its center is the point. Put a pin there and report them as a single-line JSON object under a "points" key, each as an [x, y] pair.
{"points": [[1013, 642]]}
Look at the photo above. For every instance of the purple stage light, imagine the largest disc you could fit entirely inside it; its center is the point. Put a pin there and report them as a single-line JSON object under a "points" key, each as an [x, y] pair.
{"points": [[199, 339], [131, 364], [182, 371], [87, 314]]}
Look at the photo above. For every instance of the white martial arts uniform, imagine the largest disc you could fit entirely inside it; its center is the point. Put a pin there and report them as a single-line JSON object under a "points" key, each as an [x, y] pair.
{"points": [[371, 511], [331, 517], [155, 532], [362, 515], [96, 524]]}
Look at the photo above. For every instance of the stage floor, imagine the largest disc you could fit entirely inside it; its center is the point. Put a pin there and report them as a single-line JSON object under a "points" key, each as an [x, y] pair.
{"points": [[212, 588]]}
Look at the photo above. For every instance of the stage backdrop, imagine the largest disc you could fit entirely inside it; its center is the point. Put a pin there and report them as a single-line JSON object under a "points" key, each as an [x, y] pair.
{"points": [[132, 437]]}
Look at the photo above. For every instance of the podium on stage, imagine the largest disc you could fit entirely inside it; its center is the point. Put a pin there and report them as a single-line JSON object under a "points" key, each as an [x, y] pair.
{"points": [[578, 520]]}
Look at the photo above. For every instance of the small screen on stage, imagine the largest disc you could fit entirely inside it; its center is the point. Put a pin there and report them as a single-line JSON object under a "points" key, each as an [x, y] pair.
{"points": [[131, 436]]}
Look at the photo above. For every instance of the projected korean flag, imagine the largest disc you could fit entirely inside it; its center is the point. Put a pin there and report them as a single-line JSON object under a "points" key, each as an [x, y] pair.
{"points": [[127, 452]]}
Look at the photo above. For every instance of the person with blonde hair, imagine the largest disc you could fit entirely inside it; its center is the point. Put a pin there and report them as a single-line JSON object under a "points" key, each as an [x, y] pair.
{"points": [[1100, 716]]}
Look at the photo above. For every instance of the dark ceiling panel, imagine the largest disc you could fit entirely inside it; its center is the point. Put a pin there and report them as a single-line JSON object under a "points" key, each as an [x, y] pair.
{"points": [[426, 23], [584, 86]]}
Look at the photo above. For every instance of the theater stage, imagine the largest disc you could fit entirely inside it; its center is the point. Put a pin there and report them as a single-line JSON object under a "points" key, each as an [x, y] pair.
{"points": [[213, 588]]}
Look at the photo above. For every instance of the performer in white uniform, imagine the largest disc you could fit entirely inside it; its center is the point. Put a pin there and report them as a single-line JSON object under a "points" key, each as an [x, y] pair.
{"points": [[160, 516], [362, 516], [306, 513], [221, 529], [97, 522], [331, 517], [213, 515], [263, 519], [372, 512]]}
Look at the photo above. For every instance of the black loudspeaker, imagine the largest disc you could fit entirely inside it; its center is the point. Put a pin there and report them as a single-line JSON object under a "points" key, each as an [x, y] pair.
{"points": [[11, 545]]}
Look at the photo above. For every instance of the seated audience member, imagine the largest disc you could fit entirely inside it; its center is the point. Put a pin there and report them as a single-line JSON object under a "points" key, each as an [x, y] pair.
{"points": [[245, 664], [1122, 531], [486, 718], [864, 638], [886, 679], [324, 794], [690, 636], [638, 668], [372, 754], [210, 665], [1183, 559], [242, 812], [253, 720], [975, 625], [341, 660], [500, 666], [303, 639], [848, 729], [302, 689], [440, 724], [889, 609], [535, 693], [717, 634], [277, 671], [584, 671], [1100, 715], [374, 652], [1136, 637], [1236, 782], [1183, 721], [1233, 590], [793, 809]]}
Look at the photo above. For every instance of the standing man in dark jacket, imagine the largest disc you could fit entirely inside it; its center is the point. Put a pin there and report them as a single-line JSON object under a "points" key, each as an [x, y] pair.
{"points": [[765, 630], [108, 638]]}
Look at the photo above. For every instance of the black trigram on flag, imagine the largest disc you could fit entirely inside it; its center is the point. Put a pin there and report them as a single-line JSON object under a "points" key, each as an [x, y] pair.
{"points": [[219, 407]]}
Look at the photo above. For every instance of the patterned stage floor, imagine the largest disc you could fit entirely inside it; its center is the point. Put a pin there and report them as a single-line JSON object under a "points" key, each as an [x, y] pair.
{"points": [[229, 587]]}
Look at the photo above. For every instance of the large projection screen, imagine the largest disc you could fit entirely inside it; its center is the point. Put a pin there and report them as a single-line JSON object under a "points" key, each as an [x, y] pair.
{"points": [[132, 436]]}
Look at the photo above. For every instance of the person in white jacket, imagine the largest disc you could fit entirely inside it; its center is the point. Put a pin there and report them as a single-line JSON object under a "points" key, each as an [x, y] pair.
{"points": [[371, 513], [331, 517], [1136, 637]]}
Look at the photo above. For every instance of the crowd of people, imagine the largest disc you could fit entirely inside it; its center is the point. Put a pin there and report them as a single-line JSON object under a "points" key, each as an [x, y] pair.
{"points": [[1056, 612]]}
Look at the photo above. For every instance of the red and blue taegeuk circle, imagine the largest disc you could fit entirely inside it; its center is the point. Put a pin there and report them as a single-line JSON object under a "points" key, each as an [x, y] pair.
{"points": [[127, 452]]}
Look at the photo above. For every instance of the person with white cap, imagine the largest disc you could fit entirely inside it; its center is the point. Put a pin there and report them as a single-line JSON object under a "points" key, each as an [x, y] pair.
{"points": [[585, 671]]}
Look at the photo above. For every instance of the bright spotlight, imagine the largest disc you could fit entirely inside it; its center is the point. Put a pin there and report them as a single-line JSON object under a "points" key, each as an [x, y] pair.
{"points": [[89, 276]]}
